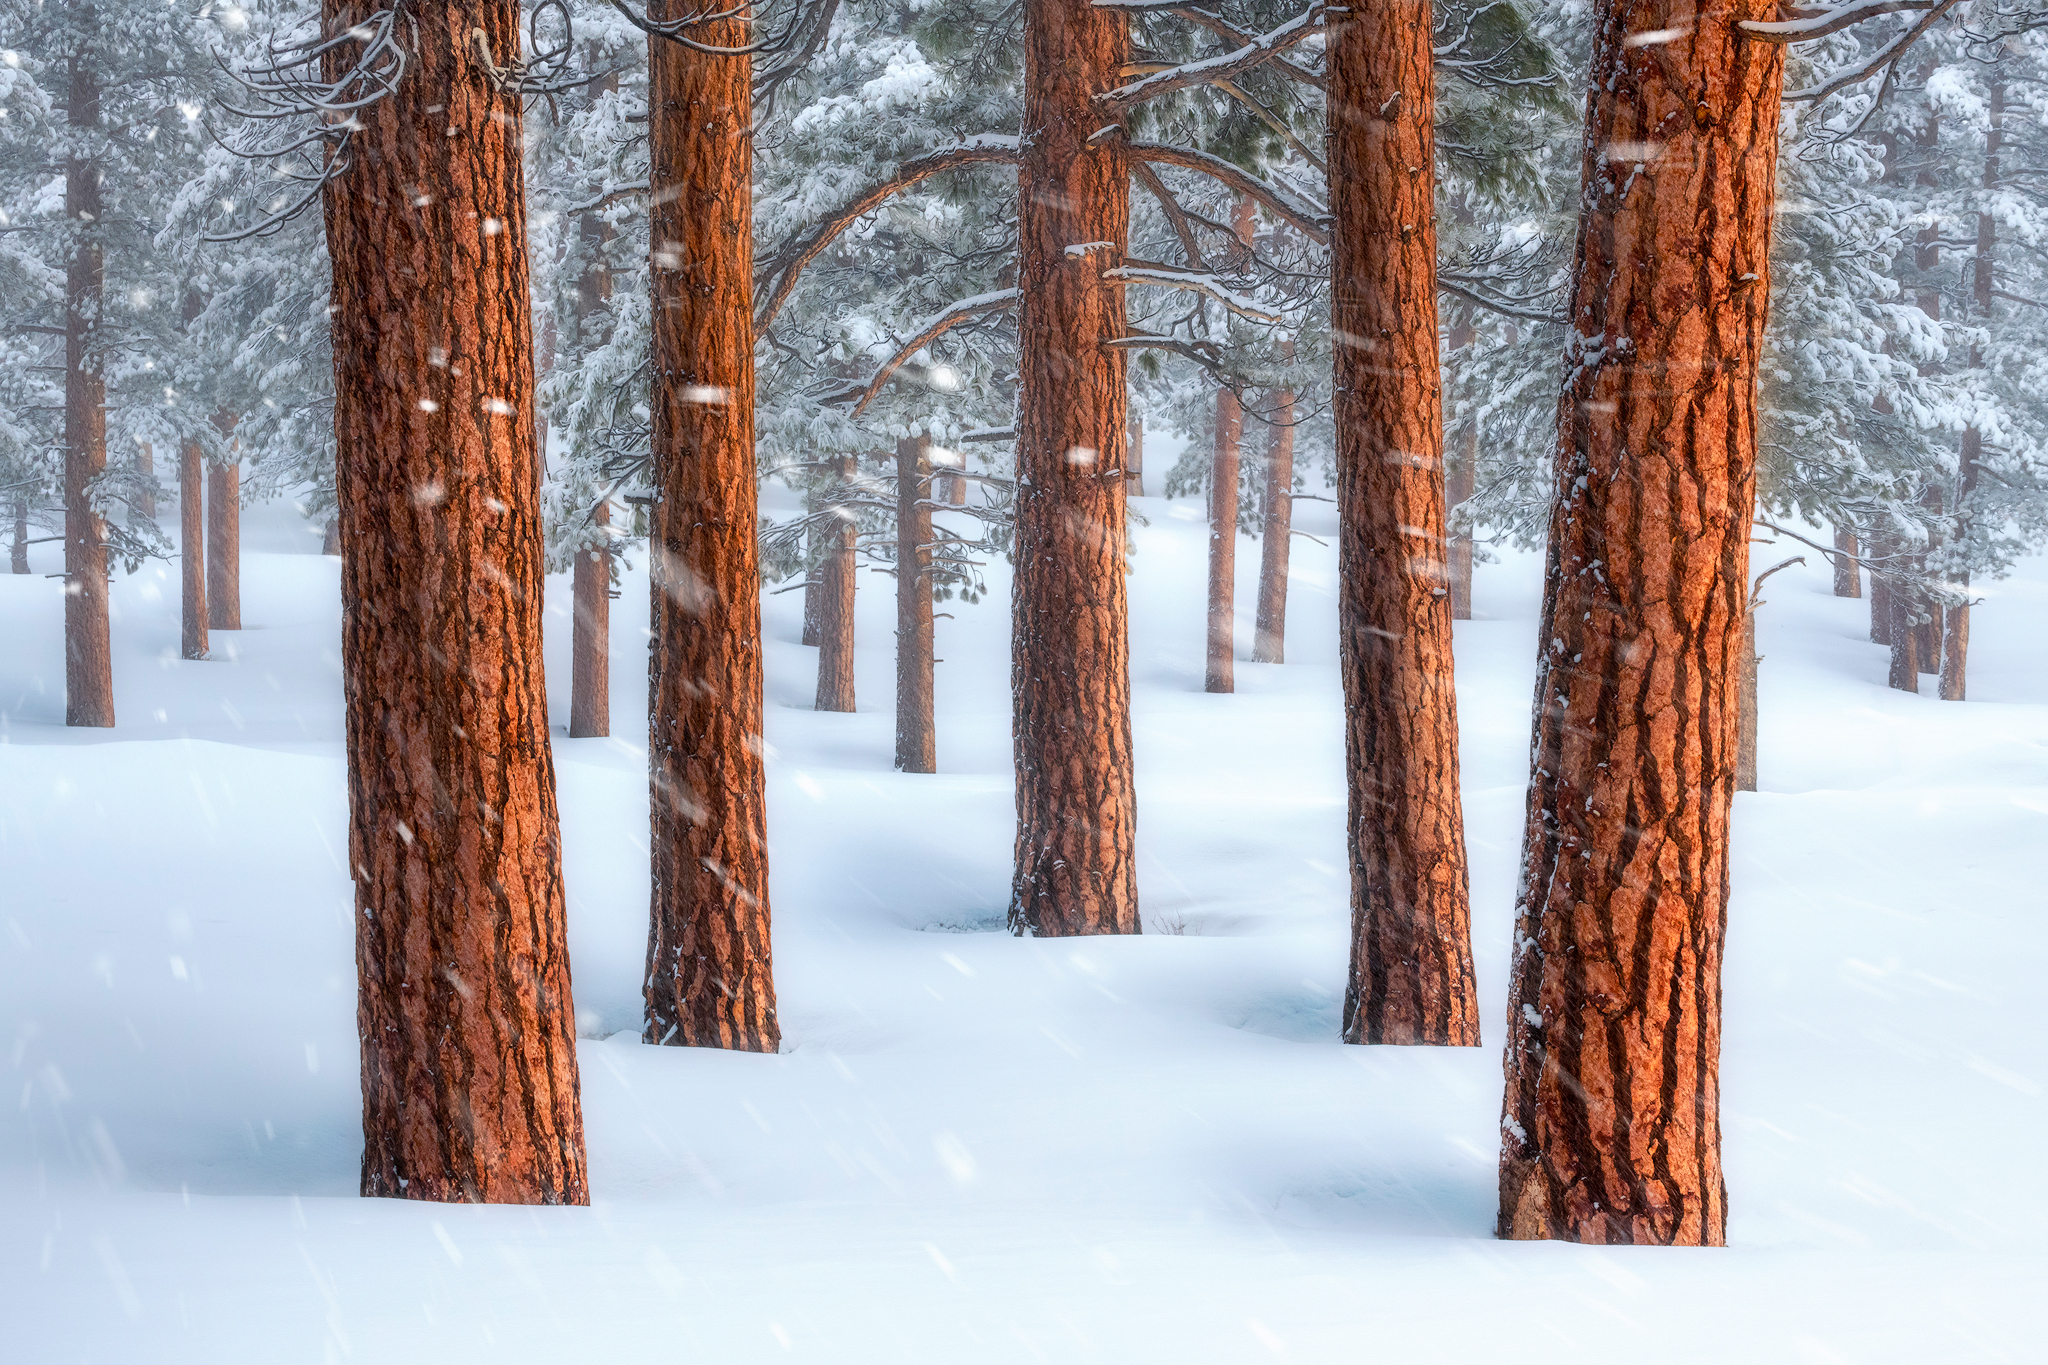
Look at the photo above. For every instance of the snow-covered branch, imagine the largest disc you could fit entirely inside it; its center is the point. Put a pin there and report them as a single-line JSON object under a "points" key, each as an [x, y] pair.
{"points": [[1165, 277], [778, 277], [1805, 24], [1312, 219], [966, 310], [1256, 52]]}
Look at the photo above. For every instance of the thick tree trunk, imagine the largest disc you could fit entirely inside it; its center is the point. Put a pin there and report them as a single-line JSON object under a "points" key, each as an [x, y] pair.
{"points": [[1880, 593], [143, 511], [1218, 666], [1848, 573], [590, 633], [1076, 810], [88, 648], [710, 980], [192, 549], [916, 728], [835, 600], [224, 545], [1269, 630], [1411, 975], [1745, 737], [19, 548], [1611, 1131], [1134, 459], [469, 1078]]}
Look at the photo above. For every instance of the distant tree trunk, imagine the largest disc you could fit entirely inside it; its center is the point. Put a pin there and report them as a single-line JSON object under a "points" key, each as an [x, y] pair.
{"points": [[1134, 459], [330, 542], [835, 596], [1269, 631], [916, 728], [1955, 632], [1411, 977], [1218, 671], [1848, 573], [1076, 808], [1905, 639], [224, 540], [814, 625], [1611, 1127], [1745, 740], [1879, 550], [590, 633], [1460, 477], [469, 1079], [20, 547], [192, 549], [88, 647], [143, 511], [710, 978]]}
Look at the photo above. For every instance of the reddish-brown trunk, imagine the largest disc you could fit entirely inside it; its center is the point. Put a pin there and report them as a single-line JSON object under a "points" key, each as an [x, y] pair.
{"points": [[1217, 668], [1411, 977], [1848, 573], [835, 600], [468, 1034], [224, 544], [590, 633], [1269, 630], [916, 730], [192, 549], [710, 980], [1611, 1130], [1076, 810], [1904, 632], [88, 648]]}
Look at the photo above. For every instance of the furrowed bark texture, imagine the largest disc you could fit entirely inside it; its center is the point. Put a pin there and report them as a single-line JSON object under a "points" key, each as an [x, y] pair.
{"points": [[1411, 978], [1076, 811], [1611, 1129], [224, 546], [88, 648], [470, 1089], [835, 600], [710, 979], [916, 731], [590, 634], [1848, 573], [1269, 629], [192, 549], [1218, 672]]}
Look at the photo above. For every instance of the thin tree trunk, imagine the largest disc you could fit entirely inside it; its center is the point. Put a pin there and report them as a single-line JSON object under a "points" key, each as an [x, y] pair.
{"points": [[192, 549], [916, 730], [1411, 978], [1745, 739], [469, 1078], [1611, 1127], [1134, 459], [1879, 550], [814, 606], [590, 633], [20, 546], [1955, 632], [143, 512], [710, 979], [1218, 672], [224, 545], [1848, 573], [1905, 639], [88, 647], [1269, 630], [1460, 478], [836, 577], [330, 541], [1076, 809]]}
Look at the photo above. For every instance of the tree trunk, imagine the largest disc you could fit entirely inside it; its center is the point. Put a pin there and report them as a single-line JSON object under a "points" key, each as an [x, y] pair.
{"points": [[1411, 975], [710, 980], [1460, 478], [88, 648], [1269, 631], [590, 633], [469, 1079], [330, 542], [1848, 573], [1217, 668], [192, 549], [1879, 549], [916, 730], [20, 546], [224, 542], [1076, 810], [1955, 632], [1905, 639], [1611, 1127], [1926, 609], [1134, 459], [1745, 735], [835, 598], [814, 625], [143, 511]]}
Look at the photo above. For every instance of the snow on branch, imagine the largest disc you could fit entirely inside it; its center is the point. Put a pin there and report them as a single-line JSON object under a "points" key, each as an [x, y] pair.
{"points": [[1165, 277], [1256, 52], [1175, 214], [778, 278], [936, 326], [1217, 25], [1311, 219], [1817, 23]]}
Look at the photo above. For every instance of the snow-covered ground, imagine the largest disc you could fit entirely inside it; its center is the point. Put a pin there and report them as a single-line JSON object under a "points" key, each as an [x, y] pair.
{"points": [[978, 1148]]}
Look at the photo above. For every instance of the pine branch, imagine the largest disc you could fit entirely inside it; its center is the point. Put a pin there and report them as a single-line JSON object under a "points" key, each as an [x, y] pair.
{"points": [[1255, 53], [966, 310], [1311, 219]]}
